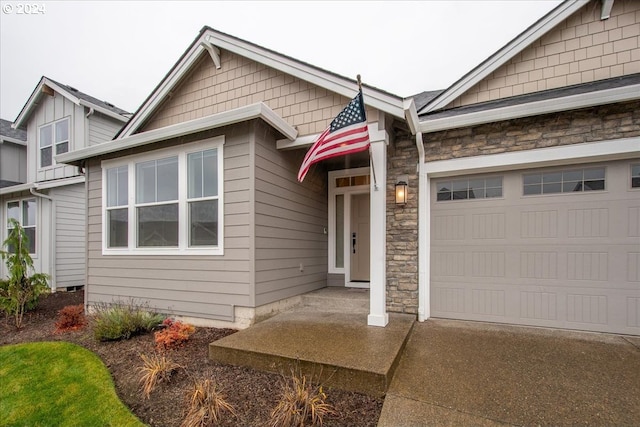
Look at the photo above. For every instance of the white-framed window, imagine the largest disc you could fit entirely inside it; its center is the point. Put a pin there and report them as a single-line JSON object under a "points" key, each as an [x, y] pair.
{"points": [[25, 212], [635, 176], [165, 202], [564, 181], [53, 139], [465, 189]]}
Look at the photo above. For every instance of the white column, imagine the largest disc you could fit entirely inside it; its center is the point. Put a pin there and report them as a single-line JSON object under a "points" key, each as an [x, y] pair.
{"points": [[424, 245], [378, 253]]}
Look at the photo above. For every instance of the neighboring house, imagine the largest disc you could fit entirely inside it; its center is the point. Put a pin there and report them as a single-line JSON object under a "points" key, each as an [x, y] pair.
{"points": [[49, 202], [13, 155], [522, 178]]}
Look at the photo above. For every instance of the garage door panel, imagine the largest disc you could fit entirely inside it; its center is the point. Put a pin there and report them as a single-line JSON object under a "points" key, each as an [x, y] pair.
{"points": [[569, 260]]}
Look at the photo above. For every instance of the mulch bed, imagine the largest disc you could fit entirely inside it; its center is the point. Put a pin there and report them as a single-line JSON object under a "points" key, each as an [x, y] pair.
{"points": [[253, 394]]}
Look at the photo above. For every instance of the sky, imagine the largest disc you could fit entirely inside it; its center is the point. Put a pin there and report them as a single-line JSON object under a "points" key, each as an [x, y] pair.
{"points": [[118, 51]]}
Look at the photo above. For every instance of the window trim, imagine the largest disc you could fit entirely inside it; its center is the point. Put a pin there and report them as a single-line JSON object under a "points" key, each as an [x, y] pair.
{"points": [[631, 176], [53, 142], [20, 201], [562, 170], [183, 201], [470, 178]]}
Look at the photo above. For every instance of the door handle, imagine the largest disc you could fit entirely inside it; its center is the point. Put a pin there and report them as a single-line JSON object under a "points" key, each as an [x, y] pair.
{"points": [[353, 242]]}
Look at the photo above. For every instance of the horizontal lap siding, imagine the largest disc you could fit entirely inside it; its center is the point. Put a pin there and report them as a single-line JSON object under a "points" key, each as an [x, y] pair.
{"points": [[289, 224], [70, 235], [102, 129], [198, 286]]}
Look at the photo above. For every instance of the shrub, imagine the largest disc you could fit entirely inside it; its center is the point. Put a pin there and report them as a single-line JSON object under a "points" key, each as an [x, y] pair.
{"points": [[174, 334], [70, 318], [122, 321], [20, 291], [300, 403], [206, 404], [156, 369]]}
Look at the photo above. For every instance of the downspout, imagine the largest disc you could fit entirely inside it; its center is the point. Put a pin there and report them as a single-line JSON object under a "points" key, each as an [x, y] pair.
{"points": [[424, 214], [52, 234]]}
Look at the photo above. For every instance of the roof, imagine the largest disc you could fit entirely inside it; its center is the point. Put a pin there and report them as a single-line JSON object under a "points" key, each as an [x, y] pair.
{"points": [[211, 41], [495, 61], [8, 133], [423, 98], [225, 118], [74, 95], [599, 85]]}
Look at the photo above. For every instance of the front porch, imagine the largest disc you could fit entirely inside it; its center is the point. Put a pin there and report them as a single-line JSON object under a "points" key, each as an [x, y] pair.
{"points": [[326, 337]]}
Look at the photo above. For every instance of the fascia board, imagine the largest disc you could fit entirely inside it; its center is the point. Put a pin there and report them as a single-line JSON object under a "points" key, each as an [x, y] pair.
{"points": [[16, 188], [258, 110], [617, 149], [499, 58], [376, 99], [59, 182], [373, 98], [102, 110], [572, 102], [12, 140], [160, 94], [411, 115]]}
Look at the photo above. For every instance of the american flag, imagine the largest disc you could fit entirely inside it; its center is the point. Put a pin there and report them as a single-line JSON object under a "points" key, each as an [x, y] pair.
{"points": [[346, 134]]}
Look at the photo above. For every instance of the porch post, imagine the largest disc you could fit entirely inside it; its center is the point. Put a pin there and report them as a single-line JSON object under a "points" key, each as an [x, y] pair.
{"points": [[378, 227]]}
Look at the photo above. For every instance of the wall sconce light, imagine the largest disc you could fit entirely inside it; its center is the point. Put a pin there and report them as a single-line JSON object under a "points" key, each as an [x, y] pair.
{"points": [[401, 190]]}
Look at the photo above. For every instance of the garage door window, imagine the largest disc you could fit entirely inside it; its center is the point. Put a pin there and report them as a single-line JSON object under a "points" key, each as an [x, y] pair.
{"points": [[635, 176], [464, 189], [567, 181]]}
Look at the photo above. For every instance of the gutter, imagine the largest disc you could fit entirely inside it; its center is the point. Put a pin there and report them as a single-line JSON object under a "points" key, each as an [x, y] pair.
{"points": [[424, 215], [52, 234]]}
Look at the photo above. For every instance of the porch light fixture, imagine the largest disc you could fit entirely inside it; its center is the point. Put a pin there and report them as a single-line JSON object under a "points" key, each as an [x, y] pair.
{"points": [[401, 192]]}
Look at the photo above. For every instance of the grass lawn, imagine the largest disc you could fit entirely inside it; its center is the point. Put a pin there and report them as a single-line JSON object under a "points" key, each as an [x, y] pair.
{"points": [[58, 383]]}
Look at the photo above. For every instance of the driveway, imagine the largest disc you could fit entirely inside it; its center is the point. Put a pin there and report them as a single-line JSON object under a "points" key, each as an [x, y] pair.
{"points": [[465, 373]]}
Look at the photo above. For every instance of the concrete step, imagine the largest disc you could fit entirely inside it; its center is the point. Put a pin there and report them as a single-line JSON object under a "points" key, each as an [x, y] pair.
{"points": [[334, 349], [337, 299]]}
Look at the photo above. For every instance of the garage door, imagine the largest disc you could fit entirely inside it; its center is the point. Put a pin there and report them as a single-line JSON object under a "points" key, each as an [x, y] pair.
{"points": [[556, 247]]}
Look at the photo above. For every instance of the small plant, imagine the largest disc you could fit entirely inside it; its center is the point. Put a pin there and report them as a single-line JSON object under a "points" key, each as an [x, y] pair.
{"points": [[155, 369], [20, 291], [206, 405], [122, 321], [71, 318], [300, 403], [174, 334]]}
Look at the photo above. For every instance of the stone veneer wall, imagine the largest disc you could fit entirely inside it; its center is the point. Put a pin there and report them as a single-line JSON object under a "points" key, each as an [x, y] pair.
{"points": [[574, 127], [402, 228]]}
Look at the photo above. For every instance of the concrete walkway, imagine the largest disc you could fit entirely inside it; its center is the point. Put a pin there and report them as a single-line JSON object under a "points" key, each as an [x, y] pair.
{"points": [[464, 373]]}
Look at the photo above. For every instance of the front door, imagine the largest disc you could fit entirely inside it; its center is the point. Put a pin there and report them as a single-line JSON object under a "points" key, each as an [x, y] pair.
{"points": [[359, 239]]}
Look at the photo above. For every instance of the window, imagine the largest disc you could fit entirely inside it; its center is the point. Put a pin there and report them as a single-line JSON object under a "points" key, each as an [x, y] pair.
{"points": [[635, 176], [167, 202], [24, 211], [567, 181], [53, 137], [464, 189]]}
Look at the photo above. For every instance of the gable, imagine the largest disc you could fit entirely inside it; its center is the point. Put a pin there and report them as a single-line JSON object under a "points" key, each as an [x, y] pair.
{"points": [[581, 49], [239, 82]]}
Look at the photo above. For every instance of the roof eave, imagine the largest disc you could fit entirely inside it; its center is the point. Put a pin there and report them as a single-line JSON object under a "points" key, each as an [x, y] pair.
{"points": [[380, 100], [553, 105], [534, 32], [249, 112]]}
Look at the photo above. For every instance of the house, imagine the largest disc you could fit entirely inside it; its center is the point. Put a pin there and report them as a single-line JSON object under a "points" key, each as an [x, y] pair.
{"points": [[13, 155], [511, 196], [48, 198]]}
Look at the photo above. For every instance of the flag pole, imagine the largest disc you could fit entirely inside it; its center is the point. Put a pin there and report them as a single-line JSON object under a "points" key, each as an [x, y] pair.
{"points": [[373, 167]]}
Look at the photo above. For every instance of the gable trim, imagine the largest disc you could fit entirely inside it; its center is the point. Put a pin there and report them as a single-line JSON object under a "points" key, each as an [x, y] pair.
{"points": [[37, 93], [495, 61], [567, 103], [210, 39], [254, 111]]}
